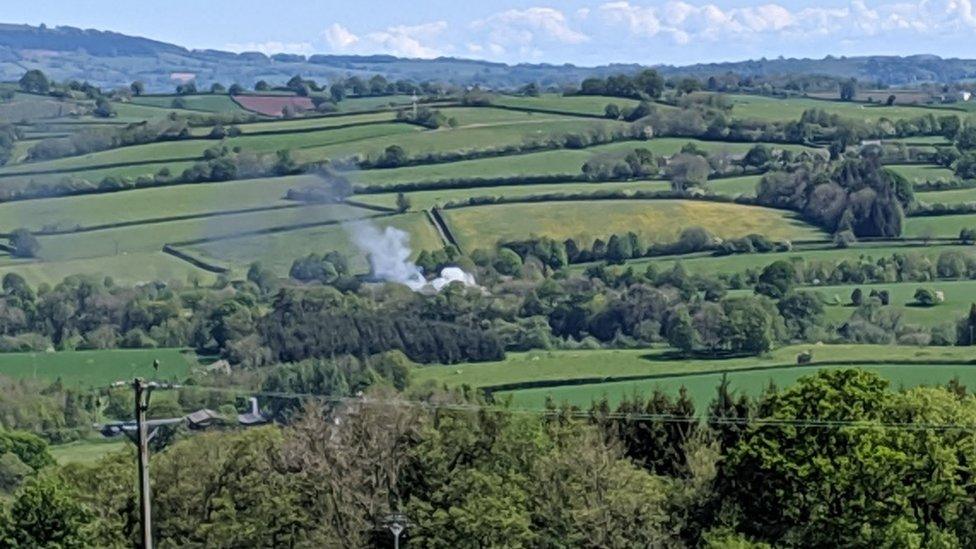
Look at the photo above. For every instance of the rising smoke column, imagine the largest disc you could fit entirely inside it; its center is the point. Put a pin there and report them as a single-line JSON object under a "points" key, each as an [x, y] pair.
{"points": [[389, 253]]}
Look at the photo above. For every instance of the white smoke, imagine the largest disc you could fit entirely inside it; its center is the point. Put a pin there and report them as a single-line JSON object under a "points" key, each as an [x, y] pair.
{"points": [[389, 253]]}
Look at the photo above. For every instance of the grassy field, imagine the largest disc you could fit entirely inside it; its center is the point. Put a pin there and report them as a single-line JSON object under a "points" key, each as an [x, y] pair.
{"points": [[577, 104], [126, 268], [564, 161], [938, 226], [957, 196], [85, 369], [731, 186], [426, 199], [220, 103], [959, 295], [278, 251], [654, 220], [68, 212], [744, 185], [603, 363], [355, 104], [701, 388], [474, 137], [923, 173], [87, 452], [194, 148], [755, 107], [304, 124], [739, 263], [150, 237], [921, 140]]}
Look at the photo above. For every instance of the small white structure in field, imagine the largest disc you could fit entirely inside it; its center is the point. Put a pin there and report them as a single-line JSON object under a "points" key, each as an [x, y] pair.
{"points": [[965, 95]]}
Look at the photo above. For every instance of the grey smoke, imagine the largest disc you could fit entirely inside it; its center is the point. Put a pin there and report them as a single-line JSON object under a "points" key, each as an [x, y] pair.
{"points": [[389, 252]]}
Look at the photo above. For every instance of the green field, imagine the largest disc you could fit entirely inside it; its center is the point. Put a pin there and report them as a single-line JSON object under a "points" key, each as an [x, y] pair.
{"points": [[959, 295], [304, 124], [278, 251], [701, 388], [126, 268], [475, 137], [770, 109], [946, 226], [427, 199], [562, 161], [740, 263], [66, 213], [86, 452], [923, 173], [732, 186], [654, 220], [604, 363], [93, 369], [354, 104], [577, 104], [194, 148], [220, 103], [957, 196], [150, 237]]}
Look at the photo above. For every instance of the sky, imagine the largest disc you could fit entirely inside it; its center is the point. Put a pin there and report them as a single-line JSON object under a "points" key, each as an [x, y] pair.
{"points": [[512, 31]]}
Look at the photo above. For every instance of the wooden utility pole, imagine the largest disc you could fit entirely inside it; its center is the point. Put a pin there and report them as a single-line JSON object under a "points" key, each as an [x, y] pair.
{"points": [[142, 392]]}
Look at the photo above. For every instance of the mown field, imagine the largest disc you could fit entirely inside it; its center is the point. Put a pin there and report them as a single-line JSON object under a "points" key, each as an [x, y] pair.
{"points": [[93, 369], [653, 220], [277, 251]]}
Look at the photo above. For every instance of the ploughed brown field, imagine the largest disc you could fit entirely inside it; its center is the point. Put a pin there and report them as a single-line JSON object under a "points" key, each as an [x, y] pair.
{"points": [[272, 105]]}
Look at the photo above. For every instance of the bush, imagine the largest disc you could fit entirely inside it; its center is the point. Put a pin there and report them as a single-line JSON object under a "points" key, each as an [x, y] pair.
{"points": [[925, 297], [24, 244]]}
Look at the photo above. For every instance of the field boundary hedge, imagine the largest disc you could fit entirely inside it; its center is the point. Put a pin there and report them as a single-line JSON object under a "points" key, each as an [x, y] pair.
{"points": [[489, 390], [367, 206], [195, 261], [435, 217]]}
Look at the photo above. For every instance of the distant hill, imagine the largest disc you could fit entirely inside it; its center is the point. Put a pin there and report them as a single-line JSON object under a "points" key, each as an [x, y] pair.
{"points": [[112, 59]]}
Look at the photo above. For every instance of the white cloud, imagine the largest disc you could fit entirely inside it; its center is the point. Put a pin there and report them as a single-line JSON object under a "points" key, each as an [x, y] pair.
{"points": [[523, 31], [409, 41], [339, 38], [683, 21]]}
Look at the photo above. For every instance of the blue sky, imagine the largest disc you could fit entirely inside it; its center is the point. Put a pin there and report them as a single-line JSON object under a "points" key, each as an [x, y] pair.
{"points": [[568, 31]]}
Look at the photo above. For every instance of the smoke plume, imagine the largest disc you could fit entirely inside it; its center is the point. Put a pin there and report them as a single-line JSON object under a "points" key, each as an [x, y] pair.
{"points": [[389, 254]]}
